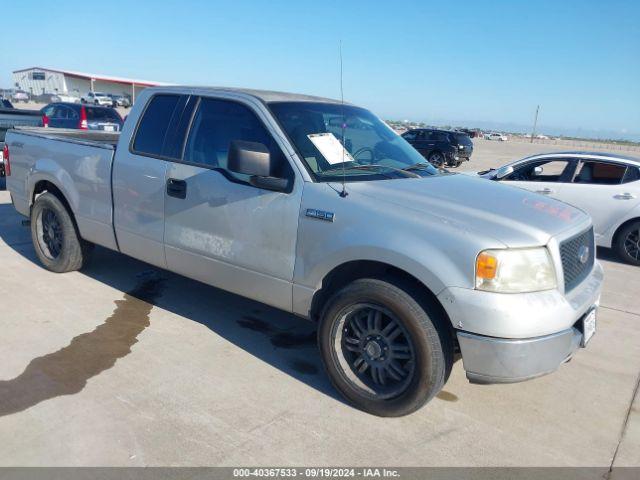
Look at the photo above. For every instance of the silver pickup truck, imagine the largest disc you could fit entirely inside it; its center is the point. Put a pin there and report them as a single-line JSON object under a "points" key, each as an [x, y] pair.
{"points": [[318, 208]]}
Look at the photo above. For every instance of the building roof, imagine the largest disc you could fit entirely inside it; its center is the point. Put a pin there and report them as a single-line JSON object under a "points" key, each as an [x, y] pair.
{"points": [[95, 76]]}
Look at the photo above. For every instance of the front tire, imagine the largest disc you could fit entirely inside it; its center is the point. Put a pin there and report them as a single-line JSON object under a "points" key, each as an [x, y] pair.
{"points": [[627, 243], [384, 350], [55, 237], [437, 159]]}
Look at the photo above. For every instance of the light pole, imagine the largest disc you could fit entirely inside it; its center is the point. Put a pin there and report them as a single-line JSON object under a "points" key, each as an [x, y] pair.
{"points": [[535, 123]]}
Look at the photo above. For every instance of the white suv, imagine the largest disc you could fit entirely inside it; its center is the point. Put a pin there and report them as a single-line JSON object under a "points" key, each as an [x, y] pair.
{"points": [[97, 98]]}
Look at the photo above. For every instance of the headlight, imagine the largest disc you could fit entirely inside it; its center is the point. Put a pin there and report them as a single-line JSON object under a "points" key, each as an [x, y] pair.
{"points": [[515, 270]]}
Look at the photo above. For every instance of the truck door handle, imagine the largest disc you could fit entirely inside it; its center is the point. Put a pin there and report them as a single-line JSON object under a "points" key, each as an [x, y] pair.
{"points": [[177, 188], [624, 196], [545, 191]]}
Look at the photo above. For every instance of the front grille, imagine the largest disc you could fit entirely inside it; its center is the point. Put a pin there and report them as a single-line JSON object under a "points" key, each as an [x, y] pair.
{"points": [[576, 262]]}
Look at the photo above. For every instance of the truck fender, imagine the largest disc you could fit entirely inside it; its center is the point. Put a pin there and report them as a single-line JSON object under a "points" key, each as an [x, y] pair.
{"points": [[305, 289]]}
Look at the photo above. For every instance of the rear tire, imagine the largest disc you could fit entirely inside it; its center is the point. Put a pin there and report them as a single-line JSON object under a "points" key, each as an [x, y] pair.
{"points": [[55, 237], [384, 350], [627, 243]]}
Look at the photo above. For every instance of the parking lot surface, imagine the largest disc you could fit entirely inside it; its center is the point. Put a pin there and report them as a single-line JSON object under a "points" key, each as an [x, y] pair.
{"points": [[123, 364]]}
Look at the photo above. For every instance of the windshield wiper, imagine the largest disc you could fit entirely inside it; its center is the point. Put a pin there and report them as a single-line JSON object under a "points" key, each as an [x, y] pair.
{"points": [[417, 166], [375, 167]]}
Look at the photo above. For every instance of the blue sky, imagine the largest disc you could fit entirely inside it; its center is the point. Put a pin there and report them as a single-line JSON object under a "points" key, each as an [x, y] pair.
{"points": [[470, 62]]}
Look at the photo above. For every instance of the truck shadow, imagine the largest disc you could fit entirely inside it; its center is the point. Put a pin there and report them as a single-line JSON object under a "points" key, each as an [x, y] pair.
{"points": [[280, 339]]}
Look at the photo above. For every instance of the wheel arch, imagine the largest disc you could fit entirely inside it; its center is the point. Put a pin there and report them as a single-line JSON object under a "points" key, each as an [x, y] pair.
{"points": [[619, 228], [45, 185], [347, 272]]}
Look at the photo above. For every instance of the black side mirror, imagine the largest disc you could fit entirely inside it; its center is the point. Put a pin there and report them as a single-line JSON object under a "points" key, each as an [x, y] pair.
{"points": [[254, 159]]}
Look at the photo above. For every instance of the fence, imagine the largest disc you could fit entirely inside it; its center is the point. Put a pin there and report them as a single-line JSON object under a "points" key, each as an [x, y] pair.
{"points": [[580, 144]]}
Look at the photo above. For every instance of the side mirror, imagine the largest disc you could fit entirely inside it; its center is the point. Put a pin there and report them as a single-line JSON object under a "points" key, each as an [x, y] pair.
{"points": [[503, 172], [254, 159], [249, 158], [538, 170]]}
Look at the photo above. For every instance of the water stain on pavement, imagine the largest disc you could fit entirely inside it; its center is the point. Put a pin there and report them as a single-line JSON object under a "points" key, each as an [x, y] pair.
{"points": [[284, 338], [280, 338], [67, 371], [447, 396]]}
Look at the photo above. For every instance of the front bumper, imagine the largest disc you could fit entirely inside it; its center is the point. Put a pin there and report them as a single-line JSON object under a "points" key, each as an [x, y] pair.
{"points": [[514, 337], [500, 360]]}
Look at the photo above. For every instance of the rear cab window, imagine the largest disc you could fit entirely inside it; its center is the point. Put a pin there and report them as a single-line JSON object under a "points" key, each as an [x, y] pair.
{"points": [[155, 135]]}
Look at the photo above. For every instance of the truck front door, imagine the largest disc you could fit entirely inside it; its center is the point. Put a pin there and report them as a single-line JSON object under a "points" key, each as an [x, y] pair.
{"points": [[220, 229]]}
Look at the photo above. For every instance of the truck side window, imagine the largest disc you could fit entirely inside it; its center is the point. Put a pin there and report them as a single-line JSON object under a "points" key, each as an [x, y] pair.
{"points": [[154, 125], [216, 124]]}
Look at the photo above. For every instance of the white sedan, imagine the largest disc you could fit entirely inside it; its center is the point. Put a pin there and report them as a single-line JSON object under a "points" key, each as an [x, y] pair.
{"points": [[495, 136], [606, 186]]}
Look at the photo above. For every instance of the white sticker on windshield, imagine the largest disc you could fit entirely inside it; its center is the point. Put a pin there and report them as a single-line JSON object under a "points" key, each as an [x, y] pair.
{"points": [[330, 148]]}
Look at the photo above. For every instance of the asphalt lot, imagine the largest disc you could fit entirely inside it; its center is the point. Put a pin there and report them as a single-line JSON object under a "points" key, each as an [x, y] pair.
{"points": [[126, 365]]}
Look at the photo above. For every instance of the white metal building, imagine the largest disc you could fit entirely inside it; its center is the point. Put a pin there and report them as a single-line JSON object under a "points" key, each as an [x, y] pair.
{"points": [[38, 80]]}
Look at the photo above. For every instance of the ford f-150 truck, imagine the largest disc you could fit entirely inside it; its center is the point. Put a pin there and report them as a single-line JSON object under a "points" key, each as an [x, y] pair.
{"points": [[318, 208]]}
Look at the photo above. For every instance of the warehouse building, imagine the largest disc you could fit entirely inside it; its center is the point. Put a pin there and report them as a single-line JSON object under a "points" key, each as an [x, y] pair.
{"points": [[38, 81]]}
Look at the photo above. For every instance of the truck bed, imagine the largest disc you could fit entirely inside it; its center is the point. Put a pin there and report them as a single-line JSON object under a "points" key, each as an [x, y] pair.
{"points": [[94, 138], [13, 117], [77, 162]]}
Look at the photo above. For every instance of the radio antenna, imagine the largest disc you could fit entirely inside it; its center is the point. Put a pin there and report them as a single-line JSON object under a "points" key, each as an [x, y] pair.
{"points": [[343, 193]]}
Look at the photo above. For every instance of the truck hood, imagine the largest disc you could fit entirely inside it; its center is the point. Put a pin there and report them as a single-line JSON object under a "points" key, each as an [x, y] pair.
{"points": [[510, 215]]}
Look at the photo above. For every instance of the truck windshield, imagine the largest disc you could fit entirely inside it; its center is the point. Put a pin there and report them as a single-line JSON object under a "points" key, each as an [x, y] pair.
{"points": [[330, 137]]}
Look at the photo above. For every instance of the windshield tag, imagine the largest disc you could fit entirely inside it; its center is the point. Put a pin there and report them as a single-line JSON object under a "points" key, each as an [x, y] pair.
{"points": [[330, 147]]}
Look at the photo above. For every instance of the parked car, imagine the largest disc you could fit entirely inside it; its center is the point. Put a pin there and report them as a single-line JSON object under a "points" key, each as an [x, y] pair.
{"points": [[67, 98], [46, 98], [495, 136], [472, 133], [441, 147], [97, 98], [606, 186], [11, 117], [402, 265], [120, 101], [83, 117], [20, 96]]}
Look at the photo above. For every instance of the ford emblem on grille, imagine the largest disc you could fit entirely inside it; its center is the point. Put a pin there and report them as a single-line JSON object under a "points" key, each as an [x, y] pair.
{"points": [[583, 254]]}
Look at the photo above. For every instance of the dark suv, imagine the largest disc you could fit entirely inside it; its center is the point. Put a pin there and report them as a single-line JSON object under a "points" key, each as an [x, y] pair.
{"points": [[443, 148]]}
